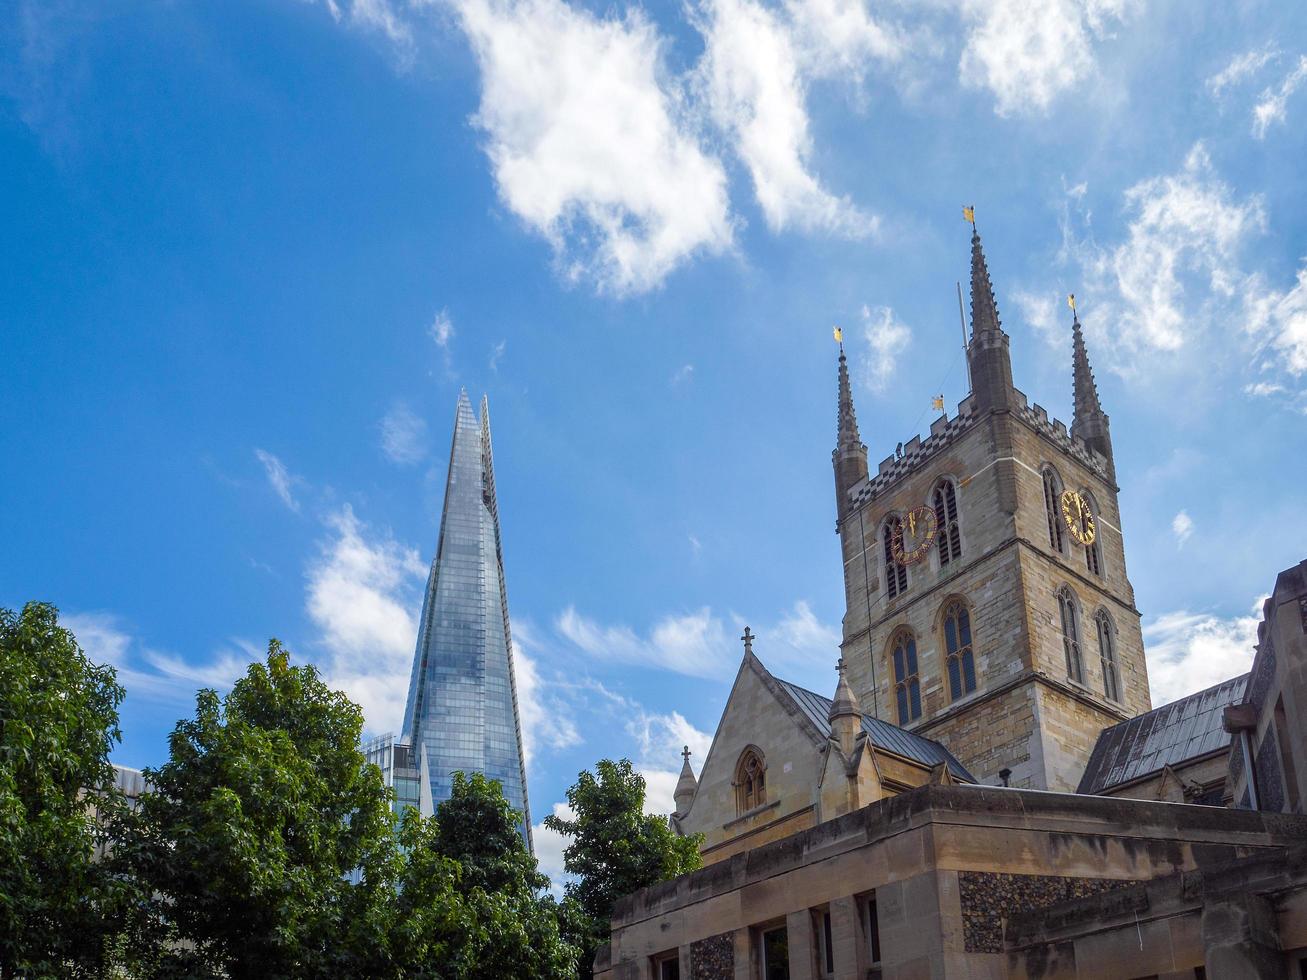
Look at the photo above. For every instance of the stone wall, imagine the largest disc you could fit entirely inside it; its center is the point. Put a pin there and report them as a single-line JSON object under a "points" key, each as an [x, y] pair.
{"points": [[989, 899]]}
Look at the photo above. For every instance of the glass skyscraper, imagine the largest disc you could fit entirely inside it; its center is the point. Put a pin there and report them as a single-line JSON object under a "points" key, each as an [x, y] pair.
{"points": [[462, 701]]}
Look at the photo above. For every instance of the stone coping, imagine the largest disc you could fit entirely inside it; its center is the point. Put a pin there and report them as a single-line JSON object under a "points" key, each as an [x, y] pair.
{"points": [[988, 807]]}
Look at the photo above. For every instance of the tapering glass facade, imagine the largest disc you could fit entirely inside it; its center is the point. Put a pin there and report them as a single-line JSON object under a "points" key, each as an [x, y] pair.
{"points": [[462, 701]]}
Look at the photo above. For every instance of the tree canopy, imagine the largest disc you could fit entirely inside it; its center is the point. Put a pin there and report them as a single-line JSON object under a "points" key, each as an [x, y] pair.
{"points": [[58, 721], [616, 849]]}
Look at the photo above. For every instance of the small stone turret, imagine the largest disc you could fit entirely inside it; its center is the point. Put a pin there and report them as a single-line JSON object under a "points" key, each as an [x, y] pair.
{"points": [[686, 786], [845, 713], [1090, 422], [987, 352], [850, 455]]}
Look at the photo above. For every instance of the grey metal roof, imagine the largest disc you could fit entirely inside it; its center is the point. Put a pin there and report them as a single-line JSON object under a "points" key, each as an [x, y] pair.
{"points": [[1166, 736], [883, 735]]}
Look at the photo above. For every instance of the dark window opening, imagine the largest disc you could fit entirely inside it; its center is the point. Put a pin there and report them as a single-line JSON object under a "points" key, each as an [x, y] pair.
{"points": [[896, 574], [907, 684], [949, 541], [957, 644], [776, 954]]}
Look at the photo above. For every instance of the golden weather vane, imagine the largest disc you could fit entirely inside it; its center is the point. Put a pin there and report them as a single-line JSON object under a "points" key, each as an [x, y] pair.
{"points": [[969, 214]]}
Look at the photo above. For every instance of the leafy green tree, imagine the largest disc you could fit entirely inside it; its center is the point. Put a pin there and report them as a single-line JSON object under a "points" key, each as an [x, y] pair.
{"points": [[616, 849], [58, 721], [511, 927], [243, 847]]}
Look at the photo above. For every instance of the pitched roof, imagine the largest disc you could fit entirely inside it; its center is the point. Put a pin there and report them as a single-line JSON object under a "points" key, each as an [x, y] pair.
{"points": [[883, 735], [1166, 736]]}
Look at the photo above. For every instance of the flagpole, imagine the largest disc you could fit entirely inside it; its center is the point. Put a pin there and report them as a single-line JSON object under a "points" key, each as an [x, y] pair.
{"points": [[962, 319]]}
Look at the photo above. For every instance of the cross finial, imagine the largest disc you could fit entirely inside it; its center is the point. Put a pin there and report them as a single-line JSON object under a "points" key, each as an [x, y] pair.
{"points": [[841, 667], [748, 640], [686, 754]]}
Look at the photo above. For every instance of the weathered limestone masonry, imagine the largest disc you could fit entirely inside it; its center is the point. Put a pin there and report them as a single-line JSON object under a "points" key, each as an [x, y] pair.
{"points": [[940, 873], [1029, 713]]}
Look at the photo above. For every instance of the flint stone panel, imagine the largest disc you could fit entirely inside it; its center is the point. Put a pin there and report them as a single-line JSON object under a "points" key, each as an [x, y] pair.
{"points": [[990, 898], [713, 958]]}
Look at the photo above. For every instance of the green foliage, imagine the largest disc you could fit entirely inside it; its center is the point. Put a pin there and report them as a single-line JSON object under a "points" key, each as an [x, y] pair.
{"points": [[497, 923], [58, 721], [616, 849], [241, 851]]}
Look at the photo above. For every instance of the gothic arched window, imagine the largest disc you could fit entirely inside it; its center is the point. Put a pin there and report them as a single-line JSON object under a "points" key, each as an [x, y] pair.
{"points": [[1070, 615], [1052, 493], [907, 685], [750, 781], [958, 649], [1107, 653], [1093, 552], [949, 540], [896, 574]]}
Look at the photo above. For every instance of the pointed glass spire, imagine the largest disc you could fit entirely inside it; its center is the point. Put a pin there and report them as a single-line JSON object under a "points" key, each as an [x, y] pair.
{"points": [[462, 709]]}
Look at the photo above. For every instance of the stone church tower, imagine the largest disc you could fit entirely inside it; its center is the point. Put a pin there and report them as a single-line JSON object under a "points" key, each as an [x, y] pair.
{"points": [[975, 613]]}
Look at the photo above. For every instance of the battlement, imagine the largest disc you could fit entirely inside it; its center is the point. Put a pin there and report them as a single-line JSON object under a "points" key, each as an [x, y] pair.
{"points": [[944, 430], [1036, 416]]}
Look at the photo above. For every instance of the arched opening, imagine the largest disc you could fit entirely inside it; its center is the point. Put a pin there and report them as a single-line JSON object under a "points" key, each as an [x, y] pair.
{"points": [[1052, 493], [1070, 616], [949, 540], [1093, 550], [907, 682], [896, 573], [750, 780], [960, 655], [1107, 654]]}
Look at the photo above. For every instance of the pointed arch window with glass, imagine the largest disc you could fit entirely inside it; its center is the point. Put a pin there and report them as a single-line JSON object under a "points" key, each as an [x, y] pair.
{"points": [[960, 655], [907, 683], [750, 781], [1067, 610], [1052, 507], [896, 572], [1107, 654], [949, 541]]}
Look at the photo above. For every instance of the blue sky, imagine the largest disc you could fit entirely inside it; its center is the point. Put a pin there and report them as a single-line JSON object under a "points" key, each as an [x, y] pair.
{"points": [[251, 251]]}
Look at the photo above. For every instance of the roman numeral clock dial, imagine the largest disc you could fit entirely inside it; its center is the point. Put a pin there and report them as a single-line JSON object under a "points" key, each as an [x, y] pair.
{"points": [[914, 536], [1079, 519]]}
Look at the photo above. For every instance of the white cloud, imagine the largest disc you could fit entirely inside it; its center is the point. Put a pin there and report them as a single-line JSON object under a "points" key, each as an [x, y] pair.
{"points": [[682, 374], [497, 354], [1280, 320], [799, 637], [1188, 652], [403, 435], [1273, 104], [659, 739], [549, 846], [696, 546], [1263, 389], [1182, 527], [1184, 240], [1027, 54], [147, 673], [694, 643], [279, 478], [1242, 66], [887, 338], [442, 330], [839, 38], [361, 590], [752, 85], [587, 147], [547, 719], [1041, 312]]}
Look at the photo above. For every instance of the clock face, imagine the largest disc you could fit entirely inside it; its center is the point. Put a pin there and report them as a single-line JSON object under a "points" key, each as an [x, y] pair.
{"points": [[914, 536], [1079, 519]]}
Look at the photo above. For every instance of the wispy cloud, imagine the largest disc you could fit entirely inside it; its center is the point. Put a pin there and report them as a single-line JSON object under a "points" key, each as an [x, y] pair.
{"points": [[1182, 526], [403, 435], [497, 354], [691, 643], [279, 478], [887, 338], [548, 718], [682, 375], [1188, 651], [1272, 106], [1241, 67], [150, 674]]}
